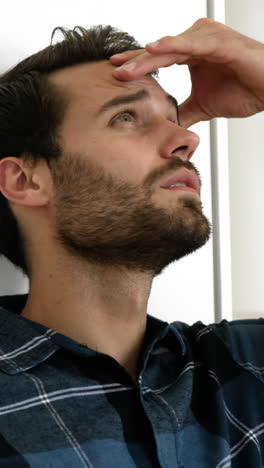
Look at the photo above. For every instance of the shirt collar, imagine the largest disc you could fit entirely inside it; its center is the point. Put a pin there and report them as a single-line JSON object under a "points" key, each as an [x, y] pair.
{"points": [[22, 346], [25, 343]]}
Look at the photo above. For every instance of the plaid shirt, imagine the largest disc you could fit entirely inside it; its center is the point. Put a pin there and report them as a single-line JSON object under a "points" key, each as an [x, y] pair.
{"points": [[198, 402]]}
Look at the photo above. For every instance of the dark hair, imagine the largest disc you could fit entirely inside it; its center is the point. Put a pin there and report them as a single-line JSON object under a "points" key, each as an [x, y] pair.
{"points": [[32, 108]]}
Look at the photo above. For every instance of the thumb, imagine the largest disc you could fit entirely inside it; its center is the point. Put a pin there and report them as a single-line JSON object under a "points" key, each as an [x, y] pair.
{"points": [[190, 113]]}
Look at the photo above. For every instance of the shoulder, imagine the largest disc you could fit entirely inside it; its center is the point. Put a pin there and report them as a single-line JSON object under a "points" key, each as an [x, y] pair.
{"points": [[242, 339]]}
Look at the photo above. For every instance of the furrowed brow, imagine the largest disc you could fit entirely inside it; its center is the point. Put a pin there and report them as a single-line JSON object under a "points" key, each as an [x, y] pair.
{"points": [[127, 99], [123, 99]]}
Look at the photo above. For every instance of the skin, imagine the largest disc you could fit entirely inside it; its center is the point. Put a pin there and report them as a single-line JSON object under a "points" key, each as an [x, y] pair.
{"points": [[226, 70], [114, 298], [70, 290]]}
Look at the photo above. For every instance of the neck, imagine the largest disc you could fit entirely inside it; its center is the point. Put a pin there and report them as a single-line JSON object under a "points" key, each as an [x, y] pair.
{"points": [[102, 308]]}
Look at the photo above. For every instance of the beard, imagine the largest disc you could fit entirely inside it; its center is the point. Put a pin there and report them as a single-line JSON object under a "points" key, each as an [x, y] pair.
{"points": [[109, 222]]}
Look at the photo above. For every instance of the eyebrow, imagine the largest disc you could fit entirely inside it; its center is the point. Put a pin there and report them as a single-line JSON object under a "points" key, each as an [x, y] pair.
{"points": [[127, 99]]}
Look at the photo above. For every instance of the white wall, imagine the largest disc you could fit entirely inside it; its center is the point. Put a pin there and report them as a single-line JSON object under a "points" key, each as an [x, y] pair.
{"points": [[185, 291], [246, 169]]}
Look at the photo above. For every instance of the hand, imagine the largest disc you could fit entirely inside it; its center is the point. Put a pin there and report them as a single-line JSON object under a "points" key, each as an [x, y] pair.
{"points": [[226, 69]]}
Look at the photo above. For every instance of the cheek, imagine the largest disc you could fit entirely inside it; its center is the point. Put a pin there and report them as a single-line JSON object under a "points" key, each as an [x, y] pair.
{"points": [[129, 162], [128, 158]]}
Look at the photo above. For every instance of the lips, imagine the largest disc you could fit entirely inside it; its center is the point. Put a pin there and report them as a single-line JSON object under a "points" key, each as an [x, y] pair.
{"points": [[184, 176]]}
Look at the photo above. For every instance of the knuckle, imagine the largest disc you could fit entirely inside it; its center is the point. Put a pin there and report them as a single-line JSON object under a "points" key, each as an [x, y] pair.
{"points": [[204, 21], [165, 39]]}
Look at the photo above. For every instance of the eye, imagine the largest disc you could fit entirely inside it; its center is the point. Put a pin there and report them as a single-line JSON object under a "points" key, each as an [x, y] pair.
{"points": [[125, 116]]}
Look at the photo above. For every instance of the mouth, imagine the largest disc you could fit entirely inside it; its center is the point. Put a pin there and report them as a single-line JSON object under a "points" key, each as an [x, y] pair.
{"points": [[183, 180]]}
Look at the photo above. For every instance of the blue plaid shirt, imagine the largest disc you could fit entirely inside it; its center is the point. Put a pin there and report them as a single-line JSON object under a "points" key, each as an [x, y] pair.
{"points": [[198, 402]]}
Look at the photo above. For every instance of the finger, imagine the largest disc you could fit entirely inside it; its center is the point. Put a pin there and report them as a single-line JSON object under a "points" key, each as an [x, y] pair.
{"points": [[205, 39], [145, 64], [171, 44], [118, 59], [191, 113]]}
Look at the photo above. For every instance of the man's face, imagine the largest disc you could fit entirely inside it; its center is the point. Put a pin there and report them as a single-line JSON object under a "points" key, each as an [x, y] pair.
{"points": [[110, 207]]}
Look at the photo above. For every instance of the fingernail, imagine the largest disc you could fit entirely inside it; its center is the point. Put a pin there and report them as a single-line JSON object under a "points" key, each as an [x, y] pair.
{"points": [[128, 66], [153, 44]]}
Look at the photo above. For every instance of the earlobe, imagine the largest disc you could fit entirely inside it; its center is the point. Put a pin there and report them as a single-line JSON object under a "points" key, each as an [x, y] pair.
{"points": [[17, 185]]}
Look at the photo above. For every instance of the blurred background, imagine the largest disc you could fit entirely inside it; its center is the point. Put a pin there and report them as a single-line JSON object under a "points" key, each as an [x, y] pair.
{"points": [[224, 278], [246, 171]]}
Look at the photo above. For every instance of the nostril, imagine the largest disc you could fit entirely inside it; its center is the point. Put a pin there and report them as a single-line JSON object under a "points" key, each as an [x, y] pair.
{"points": [[180, 148]]}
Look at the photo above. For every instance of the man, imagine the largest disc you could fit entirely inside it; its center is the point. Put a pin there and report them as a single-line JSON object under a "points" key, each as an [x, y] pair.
{"points": [[88, 379]]}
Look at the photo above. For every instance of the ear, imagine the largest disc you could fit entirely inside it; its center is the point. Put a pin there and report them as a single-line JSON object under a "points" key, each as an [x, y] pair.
{"points": [[22, 184]]}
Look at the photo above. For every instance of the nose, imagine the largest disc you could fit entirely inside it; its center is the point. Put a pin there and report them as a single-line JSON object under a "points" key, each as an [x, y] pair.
{"points": [[179, 142]]}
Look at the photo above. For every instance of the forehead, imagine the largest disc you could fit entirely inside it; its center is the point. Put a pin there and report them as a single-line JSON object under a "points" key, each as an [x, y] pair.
{"points": [[95, 82]]}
